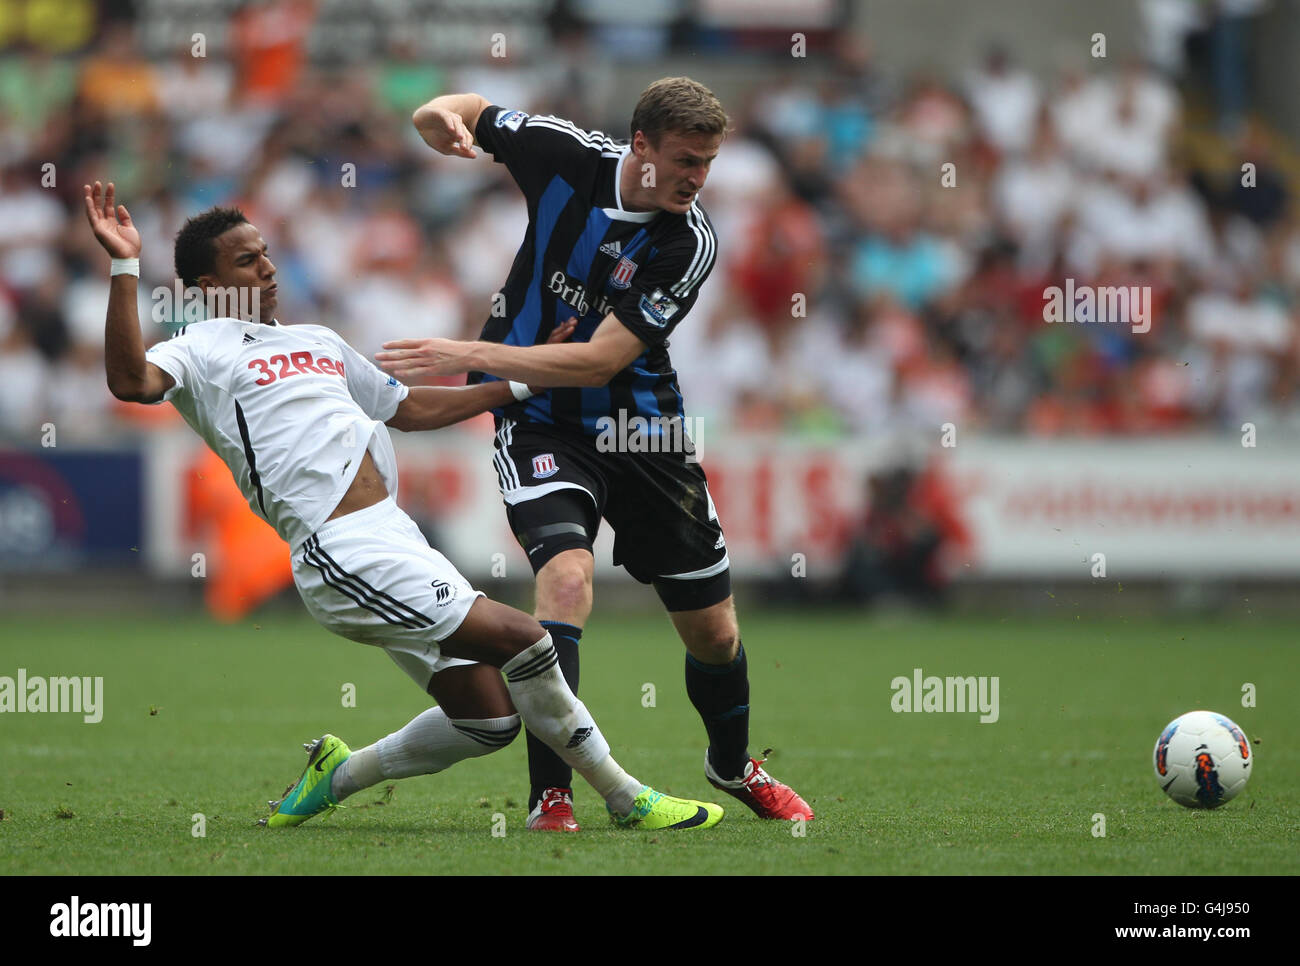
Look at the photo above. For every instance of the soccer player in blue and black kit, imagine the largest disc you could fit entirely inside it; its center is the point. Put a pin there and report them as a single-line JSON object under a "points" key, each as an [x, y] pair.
{"points": [[618, 242]]}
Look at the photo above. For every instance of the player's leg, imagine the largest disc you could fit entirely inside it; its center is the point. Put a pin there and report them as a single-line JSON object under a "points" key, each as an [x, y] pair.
{"points": [[717, 682], [717, 678], [717, 671], [553, 493], [503, 637], [474, 717], [371, 577], [668, 534], [563, 604]]}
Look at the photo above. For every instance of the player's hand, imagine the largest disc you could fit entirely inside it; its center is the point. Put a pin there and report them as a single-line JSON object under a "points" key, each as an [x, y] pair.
{"points": [[445, 132], [563, 331], [414, 358], [111, 222]]}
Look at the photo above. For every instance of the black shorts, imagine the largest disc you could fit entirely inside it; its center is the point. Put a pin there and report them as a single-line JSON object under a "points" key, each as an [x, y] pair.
{"points": [[557, 486]]}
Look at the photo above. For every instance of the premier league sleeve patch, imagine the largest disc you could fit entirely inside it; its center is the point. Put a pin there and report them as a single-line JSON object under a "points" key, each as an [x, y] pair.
{"points": [[511, 119], [657, 308]]}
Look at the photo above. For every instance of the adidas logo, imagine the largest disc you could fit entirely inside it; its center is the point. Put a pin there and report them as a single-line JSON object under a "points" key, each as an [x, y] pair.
{"points": [[249, 339], [612, 248], [579, 737]]}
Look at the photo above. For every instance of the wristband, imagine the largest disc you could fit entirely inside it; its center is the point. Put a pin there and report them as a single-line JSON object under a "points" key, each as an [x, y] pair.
{"points": [[519, 390], [125, 266]]}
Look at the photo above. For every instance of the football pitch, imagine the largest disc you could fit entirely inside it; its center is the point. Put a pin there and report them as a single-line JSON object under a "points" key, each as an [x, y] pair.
{"points": [[202, 724]]}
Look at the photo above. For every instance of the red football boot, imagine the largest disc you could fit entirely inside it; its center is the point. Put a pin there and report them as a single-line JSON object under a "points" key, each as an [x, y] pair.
{"points": [[765, 796], [554, 812]]}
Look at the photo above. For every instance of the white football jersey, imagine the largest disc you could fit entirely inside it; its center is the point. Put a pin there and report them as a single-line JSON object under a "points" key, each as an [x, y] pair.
{"points": [[291, 409]]}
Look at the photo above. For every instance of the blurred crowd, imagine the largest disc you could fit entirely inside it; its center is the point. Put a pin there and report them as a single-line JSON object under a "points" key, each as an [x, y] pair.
{"points": [[885, 241]]}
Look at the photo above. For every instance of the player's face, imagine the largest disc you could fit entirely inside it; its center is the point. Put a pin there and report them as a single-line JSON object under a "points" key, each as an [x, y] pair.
{"points": [[243, 263], [680, 166]]}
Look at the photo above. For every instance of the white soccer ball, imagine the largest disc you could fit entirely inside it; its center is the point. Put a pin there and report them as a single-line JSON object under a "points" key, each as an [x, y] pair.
{"points": [[1202, 759]]}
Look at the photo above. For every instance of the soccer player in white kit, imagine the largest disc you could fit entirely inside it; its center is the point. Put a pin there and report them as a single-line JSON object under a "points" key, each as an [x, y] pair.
{"points": [[299, 417]]}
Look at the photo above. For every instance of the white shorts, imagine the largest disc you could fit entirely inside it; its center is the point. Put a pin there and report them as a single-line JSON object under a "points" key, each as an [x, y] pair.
{"points": [[370, 576]]}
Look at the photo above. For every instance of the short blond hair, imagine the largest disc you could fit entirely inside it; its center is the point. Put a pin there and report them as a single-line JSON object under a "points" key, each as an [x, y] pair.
{"points": [[678, 105]]}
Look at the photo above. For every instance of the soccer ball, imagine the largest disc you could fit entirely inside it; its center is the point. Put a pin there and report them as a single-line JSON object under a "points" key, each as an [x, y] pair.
{"points": [[1202, 759]]}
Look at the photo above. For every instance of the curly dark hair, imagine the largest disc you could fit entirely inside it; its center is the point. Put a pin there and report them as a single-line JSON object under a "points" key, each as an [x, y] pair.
{"points": [[195, 254]]}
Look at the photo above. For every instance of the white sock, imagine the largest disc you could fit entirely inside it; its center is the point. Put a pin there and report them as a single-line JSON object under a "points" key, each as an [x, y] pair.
{"points": [[558, 718], [361, 770], [614, 785], [427, 744]]}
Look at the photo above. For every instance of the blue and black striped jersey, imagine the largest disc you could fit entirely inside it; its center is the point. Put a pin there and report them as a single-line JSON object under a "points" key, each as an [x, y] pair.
{"points": [[584, 255]]}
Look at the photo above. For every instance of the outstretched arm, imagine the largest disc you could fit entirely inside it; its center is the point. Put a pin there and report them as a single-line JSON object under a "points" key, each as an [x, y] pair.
{"points": [[612, 348], [432, 407], [447, 123], [130, 376]]}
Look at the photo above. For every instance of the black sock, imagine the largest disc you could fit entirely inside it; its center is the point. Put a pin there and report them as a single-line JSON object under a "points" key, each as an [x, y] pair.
{"points": [[720, 693], [546, 769]]}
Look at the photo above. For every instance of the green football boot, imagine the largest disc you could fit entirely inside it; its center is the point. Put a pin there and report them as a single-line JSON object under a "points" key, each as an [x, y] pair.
{"points": [[311, 795], [654, 810]]}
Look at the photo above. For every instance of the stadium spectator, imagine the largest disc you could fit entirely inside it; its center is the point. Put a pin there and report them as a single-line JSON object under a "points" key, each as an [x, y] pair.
{"points": [[908, 537], [267, 41], [828, 187], [1005, 101], [117, 81]]}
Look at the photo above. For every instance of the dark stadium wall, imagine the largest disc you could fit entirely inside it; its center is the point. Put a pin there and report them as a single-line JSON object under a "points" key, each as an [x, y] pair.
{"points": [[1275, 69], [943, 37], [1043, 35]]}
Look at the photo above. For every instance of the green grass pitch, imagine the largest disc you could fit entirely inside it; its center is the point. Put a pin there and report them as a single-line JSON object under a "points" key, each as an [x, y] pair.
{"points": [[204, 718]]}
